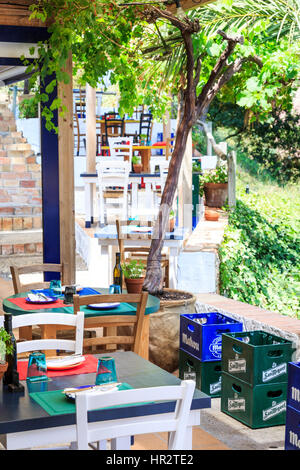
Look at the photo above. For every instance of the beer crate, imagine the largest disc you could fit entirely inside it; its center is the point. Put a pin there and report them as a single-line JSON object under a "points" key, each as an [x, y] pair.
{"points": [[206, 374], [292, 429], [201, 334], [258, 407], [293, 397], [256, 357]]}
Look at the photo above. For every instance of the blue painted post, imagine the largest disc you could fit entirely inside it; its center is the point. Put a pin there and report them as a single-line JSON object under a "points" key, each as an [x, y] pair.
{"points": [[50, 189]]}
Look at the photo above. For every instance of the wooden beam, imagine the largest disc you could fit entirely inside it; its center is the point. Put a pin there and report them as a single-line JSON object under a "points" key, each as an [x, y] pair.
{"points": [[17, 13], [90, 129], [66, 178]]}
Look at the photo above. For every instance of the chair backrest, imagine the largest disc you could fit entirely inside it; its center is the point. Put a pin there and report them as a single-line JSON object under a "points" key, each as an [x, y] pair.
{"points": [[112, 172], [163, 170], [36, 268], [121, 148], [176, 423], [146, 125], [63, 319], [135, 341], [123, 235], [114, 125]]}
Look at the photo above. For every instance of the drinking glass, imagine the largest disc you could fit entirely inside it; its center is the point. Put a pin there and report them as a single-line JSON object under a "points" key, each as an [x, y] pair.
{"points": [[55, 288], [114, 289], [69, 292], [37, 367], [106, 371]]}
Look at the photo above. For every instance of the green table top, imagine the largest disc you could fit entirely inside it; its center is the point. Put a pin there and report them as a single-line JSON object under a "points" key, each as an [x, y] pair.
{"points": [[152, 306]]}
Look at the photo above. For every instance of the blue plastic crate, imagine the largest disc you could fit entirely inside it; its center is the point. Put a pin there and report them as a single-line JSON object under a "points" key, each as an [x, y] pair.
{"points": [[292, 429], [293, 397], [204, 341]]}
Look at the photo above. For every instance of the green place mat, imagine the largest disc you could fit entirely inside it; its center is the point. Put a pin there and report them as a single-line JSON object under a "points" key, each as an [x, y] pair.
{"points": [[56, 403]]}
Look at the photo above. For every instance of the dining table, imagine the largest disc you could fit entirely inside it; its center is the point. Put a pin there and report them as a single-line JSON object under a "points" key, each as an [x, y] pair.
{"points": [[16, 305], [41, 415], [108, 240]]}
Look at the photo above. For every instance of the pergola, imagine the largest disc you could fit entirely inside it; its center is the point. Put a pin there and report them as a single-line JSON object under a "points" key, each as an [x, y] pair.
{"points": [[17, 35]]}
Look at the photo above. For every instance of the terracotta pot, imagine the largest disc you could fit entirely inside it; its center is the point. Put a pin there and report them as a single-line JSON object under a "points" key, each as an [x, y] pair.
{"points": [[172, 224], [137, 167], [134, 286], [216, 194], [211, 215], [3, 369]]}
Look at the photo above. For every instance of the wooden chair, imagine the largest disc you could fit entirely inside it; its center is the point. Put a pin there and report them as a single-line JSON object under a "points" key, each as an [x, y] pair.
{"points": [[16, 272], [175, 423], [114, 126], [112, 322], [138, 252], [77, 133], [121, 148], [113, 179], [146, 125], [57, 319]]}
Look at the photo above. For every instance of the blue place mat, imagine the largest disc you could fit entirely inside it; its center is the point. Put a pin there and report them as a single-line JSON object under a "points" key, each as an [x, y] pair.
{"points": [[84, 291]]}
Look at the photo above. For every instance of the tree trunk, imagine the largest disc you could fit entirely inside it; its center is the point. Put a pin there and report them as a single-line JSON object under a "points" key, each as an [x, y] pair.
{"points": [[153, 278]]}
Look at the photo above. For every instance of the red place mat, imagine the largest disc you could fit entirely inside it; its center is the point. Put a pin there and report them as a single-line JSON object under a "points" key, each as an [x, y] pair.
{"points": [[21, 302], [89, 366]]}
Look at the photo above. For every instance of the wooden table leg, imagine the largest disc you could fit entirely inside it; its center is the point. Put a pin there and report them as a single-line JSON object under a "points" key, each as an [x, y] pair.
{"points": [[49, 332], [146, 155]]}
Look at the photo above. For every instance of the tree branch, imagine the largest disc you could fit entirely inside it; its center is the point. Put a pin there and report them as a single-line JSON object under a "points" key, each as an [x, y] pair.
{"points": [[218, 151]]}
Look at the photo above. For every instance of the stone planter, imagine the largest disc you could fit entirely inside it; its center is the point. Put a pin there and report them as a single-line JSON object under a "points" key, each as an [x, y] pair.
{"points": [[216, 194], [164, 332]]}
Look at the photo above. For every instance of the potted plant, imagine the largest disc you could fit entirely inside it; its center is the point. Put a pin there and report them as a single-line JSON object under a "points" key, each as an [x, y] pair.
{"points": [[137, 164], [133, 271], [6, 347], [172, 219], [143, 139], [214, 186]]}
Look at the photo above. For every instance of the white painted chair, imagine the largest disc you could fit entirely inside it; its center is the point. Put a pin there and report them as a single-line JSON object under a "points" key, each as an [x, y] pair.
{"points": [[163, 171], [113, 178], [121, 148], [121, 430], [63, 319]]}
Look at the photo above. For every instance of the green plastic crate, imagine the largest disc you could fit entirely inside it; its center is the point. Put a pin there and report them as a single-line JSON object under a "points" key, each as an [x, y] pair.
{"points": [[256, 357], [208, 373], [260, 406]]}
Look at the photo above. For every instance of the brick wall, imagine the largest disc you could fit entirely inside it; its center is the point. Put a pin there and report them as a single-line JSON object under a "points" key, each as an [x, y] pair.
{"points": [[20, 186]]}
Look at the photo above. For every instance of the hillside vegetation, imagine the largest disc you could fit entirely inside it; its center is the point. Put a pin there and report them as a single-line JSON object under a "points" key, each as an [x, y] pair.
{"points": [[260, 255]]}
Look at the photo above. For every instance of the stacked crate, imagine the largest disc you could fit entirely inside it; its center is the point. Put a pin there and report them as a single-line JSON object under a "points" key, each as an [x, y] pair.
{"points": [[292, 428], [254, 377], [201, 348]]}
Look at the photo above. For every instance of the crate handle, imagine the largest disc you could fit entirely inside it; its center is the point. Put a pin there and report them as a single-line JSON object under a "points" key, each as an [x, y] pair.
{"points": [[275, 353], [190, 363], [274, 394], [237, 349], [227, 330], [191, 328], [218, 368], [236, 388]]}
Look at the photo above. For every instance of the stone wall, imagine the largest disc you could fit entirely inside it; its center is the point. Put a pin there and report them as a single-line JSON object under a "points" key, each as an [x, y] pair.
{"points": [[20, 189]]}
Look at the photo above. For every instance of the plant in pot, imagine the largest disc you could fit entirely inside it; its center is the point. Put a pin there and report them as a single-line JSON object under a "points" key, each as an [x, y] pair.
{"points": [[133, 271], [137, 164], [143, 139], [6, 347], [214, 186]]}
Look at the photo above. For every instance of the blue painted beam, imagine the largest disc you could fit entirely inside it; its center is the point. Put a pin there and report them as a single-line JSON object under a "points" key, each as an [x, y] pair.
{"points": [[50, 190]]}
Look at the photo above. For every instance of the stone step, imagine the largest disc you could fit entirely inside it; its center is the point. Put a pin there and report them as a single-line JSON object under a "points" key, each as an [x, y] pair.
{"points": [[21, 242]]}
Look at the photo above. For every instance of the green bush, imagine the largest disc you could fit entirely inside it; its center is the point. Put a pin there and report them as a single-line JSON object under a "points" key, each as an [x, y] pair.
{"points": [[260, 256]]}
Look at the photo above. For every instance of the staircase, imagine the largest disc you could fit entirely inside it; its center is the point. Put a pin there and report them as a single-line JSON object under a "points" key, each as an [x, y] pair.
{"points": [[20, 191]]}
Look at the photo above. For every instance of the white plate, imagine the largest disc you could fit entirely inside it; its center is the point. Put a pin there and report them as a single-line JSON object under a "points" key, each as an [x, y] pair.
{"points": [[64, 362], [104, 306]]}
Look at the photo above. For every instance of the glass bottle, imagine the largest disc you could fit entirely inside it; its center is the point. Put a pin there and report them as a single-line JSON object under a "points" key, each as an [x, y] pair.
{"points": [[117, 272], [11, 376]]}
